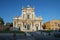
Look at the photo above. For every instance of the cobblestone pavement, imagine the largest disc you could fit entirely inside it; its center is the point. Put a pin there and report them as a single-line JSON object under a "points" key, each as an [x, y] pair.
{"points": [[28, 36]]}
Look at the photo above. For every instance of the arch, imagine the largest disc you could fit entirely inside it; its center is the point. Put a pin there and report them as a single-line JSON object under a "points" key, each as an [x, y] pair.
{"points": [[37, 25], [28, 26], [28, 16]]}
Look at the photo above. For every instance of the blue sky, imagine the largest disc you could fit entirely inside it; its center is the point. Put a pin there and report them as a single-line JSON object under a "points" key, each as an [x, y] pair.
{"points": [[48, 9]]}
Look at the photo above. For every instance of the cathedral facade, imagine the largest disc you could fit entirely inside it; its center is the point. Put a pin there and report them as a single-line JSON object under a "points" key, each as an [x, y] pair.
{"points": [[28, 22]]}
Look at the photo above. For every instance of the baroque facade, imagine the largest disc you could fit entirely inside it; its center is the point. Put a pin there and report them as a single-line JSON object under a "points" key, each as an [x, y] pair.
{"points": [[52, 25], [28, 22]]}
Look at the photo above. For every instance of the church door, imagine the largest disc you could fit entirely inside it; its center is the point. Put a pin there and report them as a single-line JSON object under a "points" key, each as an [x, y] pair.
{"points": [[36, 28], [28, 27]]}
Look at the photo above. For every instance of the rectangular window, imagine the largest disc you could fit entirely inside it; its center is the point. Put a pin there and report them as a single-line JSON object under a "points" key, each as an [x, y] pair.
{"points": [[55, 24], [58, 25]]}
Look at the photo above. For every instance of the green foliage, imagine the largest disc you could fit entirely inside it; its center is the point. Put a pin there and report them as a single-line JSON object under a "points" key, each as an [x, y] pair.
{"points": [[7, 31], [9, 24], [1, 21], [48, 30], [17, 31], [44, 26]]}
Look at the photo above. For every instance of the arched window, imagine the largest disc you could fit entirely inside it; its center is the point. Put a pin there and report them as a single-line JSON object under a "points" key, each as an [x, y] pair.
{"points": [[28, 16], [19, 28], [37, 27], [24, 26]]}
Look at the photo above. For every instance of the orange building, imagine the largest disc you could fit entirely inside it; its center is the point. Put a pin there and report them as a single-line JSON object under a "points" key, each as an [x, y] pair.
{"points": [[52, 25]]}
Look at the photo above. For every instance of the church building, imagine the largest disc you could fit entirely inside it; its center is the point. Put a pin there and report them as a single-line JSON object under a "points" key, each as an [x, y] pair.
{"points": [[28, 22]]}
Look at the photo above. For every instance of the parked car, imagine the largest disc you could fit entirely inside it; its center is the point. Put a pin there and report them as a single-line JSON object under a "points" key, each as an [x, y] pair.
{"points": [[57, 33]]}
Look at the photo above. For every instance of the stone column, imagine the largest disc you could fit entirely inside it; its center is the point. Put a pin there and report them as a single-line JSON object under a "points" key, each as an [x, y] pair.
{"points": [[13, 24], [16, 23]]}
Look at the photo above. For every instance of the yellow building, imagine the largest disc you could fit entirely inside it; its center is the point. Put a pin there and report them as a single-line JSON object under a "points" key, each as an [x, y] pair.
{"points": [[52, 25], [28, 22]]}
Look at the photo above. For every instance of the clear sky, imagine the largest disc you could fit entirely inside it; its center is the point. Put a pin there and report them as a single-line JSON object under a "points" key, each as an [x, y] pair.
{"points": [[48, 9]]}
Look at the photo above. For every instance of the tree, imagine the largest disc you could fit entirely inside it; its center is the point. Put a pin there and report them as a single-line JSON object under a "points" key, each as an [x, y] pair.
{"points": [[8, 26], [44, 26], [1, 21], [1, 24], [11, 24]]}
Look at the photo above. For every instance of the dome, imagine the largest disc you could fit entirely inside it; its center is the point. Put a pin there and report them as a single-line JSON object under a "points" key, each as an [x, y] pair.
{"points": [[28, 6]]}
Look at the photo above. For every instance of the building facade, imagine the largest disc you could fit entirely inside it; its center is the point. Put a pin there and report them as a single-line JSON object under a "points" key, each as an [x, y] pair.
{"points": [[28, 22], [52, 25]]}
